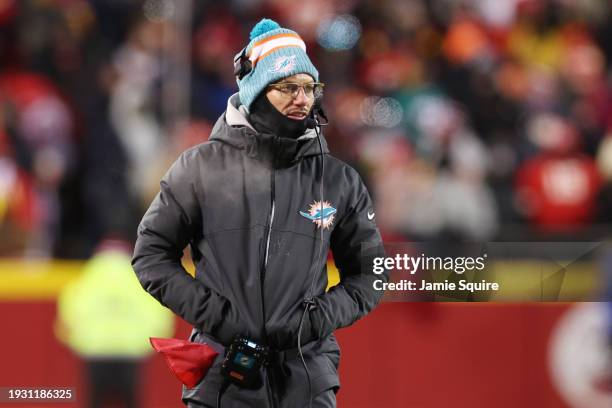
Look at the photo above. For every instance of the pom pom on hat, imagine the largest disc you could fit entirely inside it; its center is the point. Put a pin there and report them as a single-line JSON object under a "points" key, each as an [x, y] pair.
{"points": [[263, 27], [274, 53]]}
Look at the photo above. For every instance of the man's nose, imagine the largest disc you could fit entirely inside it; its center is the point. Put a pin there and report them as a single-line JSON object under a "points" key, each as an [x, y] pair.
{"points": [[301, 99]]}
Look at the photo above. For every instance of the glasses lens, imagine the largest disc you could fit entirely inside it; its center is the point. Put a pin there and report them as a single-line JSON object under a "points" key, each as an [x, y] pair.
{"points": [[291, 89], [309, 89]]}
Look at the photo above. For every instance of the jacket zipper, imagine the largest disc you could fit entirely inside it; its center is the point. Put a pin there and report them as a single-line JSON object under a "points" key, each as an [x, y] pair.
{"points": [[267, 250], [269, 230]]}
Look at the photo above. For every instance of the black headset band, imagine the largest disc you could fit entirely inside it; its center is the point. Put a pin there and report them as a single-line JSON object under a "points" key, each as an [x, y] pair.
{"points": [[242, 64]]}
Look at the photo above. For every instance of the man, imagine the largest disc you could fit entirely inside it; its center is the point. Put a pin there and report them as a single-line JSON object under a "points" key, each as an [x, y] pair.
{"points": [[248, 202], [105, 318]]}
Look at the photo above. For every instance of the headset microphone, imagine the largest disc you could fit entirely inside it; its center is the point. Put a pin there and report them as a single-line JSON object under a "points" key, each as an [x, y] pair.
{"points": [[316, 113]]}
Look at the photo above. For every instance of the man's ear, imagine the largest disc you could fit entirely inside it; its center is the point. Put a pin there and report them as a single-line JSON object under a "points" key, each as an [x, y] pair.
{"points": [[317, 108]]}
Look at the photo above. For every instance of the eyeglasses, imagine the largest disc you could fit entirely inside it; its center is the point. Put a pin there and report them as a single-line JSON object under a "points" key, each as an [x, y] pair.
{"points": [[292, 89]]}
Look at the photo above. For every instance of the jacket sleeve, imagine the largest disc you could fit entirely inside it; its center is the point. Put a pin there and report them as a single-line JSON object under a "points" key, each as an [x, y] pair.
{"points": [[355, 242], [170, 223]]}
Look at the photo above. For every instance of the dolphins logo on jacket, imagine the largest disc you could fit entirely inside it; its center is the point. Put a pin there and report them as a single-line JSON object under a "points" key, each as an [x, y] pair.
{"points": [[321, 219]]}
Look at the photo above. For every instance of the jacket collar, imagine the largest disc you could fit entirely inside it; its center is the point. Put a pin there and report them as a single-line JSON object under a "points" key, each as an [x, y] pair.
{"points": [[236, 114], [234, 128]]}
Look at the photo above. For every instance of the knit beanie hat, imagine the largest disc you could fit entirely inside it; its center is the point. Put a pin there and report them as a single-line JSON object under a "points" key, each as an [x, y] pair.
{"points": [[274, 53]]}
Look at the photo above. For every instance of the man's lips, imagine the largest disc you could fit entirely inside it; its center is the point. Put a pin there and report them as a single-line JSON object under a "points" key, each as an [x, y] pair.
{"points": [[297, 115]]}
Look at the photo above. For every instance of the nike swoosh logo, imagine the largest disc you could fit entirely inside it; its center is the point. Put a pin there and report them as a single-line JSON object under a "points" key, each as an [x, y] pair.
{"points": [[370, 216]]}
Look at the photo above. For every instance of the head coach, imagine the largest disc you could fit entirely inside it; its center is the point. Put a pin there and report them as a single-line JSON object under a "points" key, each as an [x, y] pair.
{"points": [[260, 205]]}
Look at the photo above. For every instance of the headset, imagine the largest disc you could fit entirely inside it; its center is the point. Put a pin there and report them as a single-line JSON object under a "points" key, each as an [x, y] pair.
{"points": [[242, 64]]}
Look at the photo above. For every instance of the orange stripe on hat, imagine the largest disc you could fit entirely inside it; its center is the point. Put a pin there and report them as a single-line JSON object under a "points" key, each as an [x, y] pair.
{"points": [[271, 51], [273, 37], [275, 43]]}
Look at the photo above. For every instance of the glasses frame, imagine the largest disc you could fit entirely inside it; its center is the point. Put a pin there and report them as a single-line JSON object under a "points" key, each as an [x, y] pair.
{"points": [[277, 86]]}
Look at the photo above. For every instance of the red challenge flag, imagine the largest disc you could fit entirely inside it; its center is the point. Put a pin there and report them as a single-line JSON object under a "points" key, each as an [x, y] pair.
{"points": [[188, 361]]}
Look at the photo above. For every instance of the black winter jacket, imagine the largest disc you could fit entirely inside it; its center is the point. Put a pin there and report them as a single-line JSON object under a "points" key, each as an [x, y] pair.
{"points": [[248, 206]]}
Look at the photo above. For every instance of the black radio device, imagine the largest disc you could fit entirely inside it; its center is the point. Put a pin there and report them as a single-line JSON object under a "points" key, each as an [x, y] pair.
{"points": [[243, 362]]}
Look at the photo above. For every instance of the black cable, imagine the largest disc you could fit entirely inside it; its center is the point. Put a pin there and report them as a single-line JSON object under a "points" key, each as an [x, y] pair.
{"points": [[302, 356], [316, 274], [309, 302]]}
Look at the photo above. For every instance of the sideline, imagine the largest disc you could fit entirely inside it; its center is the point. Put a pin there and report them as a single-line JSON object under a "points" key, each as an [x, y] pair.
{"points": [[24, 279]]}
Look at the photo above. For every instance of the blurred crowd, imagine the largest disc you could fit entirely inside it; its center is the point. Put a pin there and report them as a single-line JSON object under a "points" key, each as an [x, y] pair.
{"points": [[469, 119]]}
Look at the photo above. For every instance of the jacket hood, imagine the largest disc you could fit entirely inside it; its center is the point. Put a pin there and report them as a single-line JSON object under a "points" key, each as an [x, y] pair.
{"points": [[234, 129]]}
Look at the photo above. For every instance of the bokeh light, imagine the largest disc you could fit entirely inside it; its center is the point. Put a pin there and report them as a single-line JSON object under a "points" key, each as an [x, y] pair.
{"points": [[339, 33], [158, 10], [381, 112]]}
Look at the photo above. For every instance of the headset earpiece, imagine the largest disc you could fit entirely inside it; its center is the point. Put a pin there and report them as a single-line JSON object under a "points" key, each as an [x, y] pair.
{"points": [[242, 65], [321, 112]]}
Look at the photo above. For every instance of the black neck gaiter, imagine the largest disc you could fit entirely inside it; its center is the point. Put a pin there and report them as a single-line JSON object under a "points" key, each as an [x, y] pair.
{"points": [[265, 118]]}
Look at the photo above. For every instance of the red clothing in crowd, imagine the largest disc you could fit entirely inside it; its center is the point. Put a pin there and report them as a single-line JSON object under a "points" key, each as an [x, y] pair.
{"points": [[558, 192]]}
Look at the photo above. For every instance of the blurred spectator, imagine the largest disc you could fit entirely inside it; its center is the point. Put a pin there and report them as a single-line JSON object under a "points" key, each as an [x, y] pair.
{"points": [[43, 126], [17, 198], [216, 39], [106, 318], [108, 202], [135, 99], [557, 188]]}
